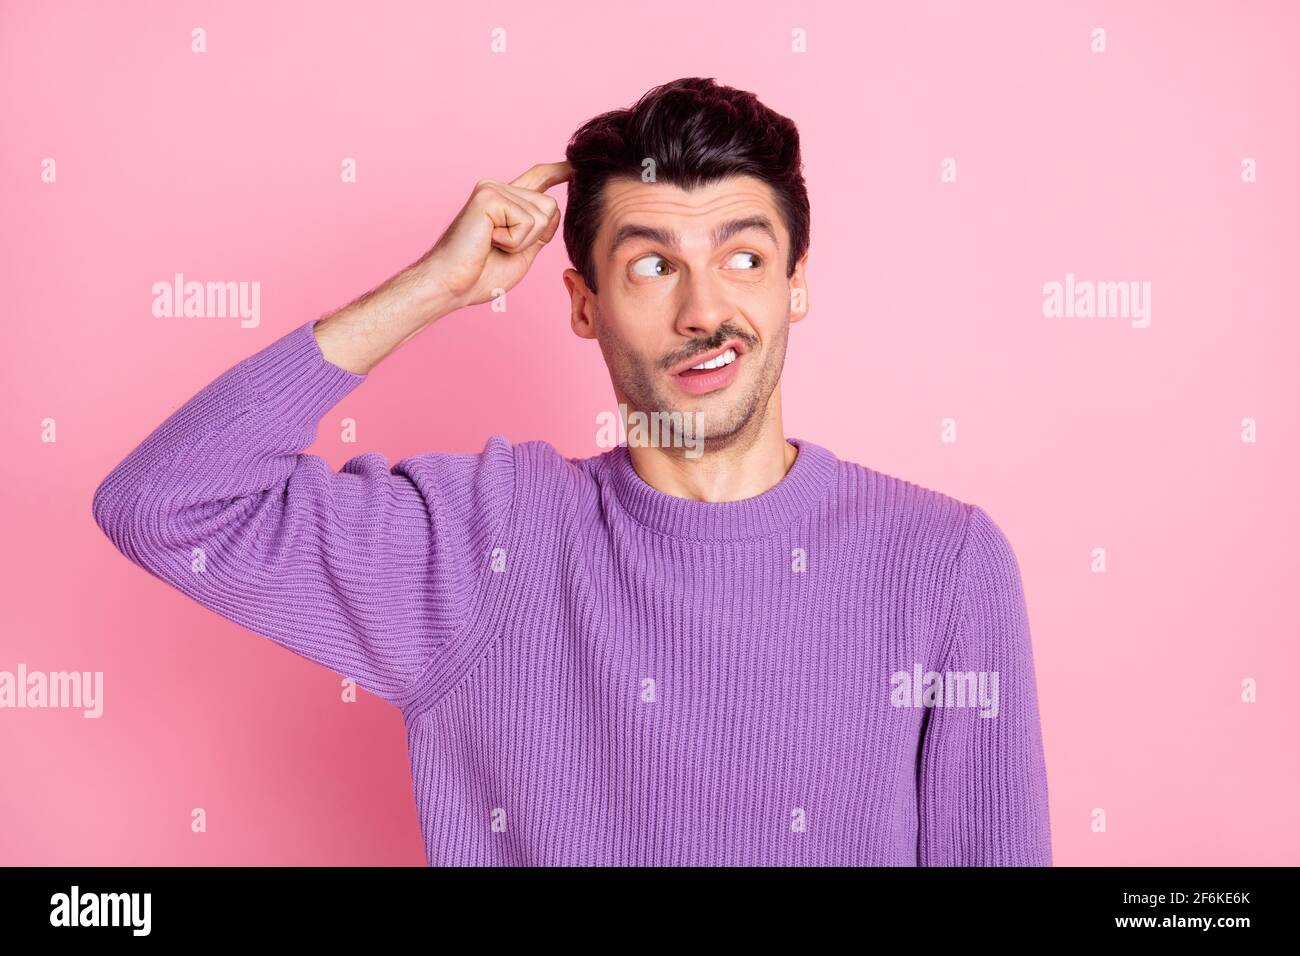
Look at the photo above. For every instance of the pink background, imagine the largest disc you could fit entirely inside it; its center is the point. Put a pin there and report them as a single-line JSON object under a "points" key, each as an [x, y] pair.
{"points": [[925, 303]]}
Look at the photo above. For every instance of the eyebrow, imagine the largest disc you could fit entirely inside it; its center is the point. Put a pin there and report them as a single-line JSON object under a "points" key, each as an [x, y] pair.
{"points": [[670, 238]]}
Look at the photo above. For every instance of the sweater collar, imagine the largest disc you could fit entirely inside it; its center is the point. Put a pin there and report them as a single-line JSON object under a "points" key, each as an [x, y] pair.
{"points": [[799, 492]]}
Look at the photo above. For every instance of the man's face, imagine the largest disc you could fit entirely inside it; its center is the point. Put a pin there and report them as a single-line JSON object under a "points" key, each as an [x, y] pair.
{"points": [[687, 278]]}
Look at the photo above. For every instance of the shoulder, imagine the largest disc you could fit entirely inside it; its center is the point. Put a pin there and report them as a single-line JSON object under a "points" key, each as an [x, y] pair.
{"points": [[910, 512], [472, 489], [534, 473], [493, 465], [905, 509], [543, 461], [555, 483]]}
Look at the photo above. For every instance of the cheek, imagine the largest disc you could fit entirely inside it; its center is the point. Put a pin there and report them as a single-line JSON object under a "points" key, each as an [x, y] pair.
{"points": [[618, 343], [630, 329]]}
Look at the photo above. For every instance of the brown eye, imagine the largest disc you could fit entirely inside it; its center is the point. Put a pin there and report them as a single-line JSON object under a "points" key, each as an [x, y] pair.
{"points": [[754, 256], [654, 270]]}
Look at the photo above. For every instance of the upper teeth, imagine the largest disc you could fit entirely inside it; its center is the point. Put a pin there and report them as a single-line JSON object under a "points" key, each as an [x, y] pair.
{"points": [[726, 358]]}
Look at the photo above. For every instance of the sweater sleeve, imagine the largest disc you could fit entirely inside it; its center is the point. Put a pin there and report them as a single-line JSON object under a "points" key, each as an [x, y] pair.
{"points": [[368, 571], [982, 777]]}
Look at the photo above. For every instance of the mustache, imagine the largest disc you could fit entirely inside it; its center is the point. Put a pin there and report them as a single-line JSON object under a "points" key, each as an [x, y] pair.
{"points": [[725, 333]]}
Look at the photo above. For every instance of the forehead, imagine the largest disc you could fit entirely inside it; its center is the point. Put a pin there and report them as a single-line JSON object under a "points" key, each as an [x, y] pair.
{"points": [[691, 213]]}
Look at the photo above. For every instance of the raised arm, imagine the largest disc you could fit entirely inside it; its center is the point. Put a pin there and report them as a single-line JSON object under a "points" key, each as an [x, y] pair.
{"points": [[370, 570], [489, 246]]}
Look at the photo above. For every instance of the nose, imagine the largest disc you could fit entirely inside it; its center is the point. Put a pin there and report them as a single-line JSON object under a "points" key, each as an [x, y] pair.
{"points": [[704, 304]]}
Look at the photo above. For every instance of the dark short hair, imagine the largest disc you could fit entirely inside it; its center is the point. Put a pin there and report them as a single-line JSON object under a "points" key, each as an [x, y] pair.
{"points": [[697, 132]]}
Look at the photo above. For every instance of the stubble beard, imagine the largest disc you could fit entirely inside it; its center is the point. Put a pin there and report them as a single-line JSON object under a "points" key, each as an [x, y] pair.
{"points": [[731, 421]]}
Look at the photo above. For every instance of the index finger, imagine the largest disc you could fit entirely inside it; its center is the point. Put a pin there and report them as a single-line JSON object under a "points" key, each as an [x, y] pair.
{"points": [[543, 176]]}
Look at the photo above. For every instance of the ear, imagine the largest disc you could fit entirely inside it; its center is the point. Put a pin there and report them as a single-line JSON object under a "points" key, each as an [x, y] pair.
{"points": [[799, 290], [582, 305]]}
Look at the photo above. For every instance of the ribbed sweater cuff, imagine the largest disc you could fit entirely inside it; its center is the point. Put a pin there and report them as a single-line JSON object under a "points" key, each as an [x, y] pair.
{"points": [[293, 375]]}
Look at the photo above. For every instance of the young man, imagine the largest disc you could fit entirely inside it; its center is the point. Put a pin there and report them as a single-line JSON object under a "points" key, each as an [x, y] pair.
{"points": [[720, 647]]}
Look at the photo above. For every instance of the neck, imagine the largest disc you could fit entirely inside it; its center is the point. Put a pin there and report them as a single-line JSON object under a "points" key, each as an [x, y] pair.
{"points": [[742, 465]]}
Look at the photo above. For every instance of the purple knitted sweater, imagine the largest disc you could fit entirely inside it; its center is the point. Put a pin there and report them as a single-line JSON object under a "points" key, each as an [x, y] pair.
{"points": [[591, 671]]}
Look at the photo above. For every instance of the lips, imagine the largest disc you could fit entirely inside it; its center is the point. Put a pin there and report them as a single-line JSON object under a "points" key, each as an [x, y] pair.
{"points": [[735, 345], [702, 381]]}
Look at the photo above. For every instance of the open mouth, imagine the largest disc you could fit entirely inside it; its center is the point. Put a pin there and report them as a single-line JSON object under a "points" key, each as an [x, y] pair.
{"points": [[712, 372], [723, 360]]}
